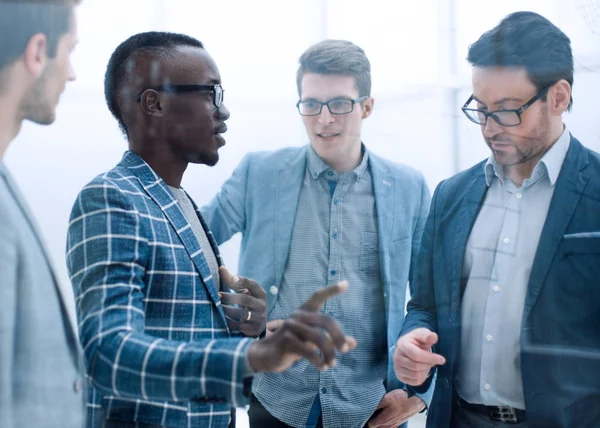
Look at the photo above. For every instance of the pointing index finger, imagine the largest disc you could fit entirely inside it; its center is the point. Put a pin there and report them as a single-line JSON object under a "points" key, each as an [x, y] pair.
{"points": [[319, 297]]}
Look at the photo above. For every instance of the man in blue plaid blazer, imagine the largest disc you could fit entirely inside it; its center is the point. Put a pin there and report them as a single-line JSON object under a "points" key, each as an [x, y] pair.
{"points": [[160, 348]]}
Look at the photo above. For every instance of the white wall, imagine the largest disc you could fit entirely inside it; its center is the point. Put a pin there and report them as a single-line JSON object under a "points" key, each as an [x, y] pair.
{"points": [[257, 45]]}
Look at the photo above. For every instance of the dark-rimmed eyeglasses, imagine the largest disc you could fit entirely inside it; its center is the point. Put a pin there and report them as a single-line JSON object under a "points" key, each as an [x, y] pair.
{"points": [[503, 117], [216, 90], [335, 106]]}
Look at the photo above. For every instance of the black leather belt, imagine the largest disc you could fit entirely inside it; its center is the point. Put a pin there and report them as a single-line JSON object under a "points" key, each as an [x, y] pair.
{"points": [[504, 414]]}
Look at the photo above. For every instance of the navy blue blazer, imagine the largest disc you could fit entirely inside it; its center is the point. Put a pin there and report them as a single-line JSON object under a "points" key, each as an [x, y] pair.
{"points": [[560, 340]]}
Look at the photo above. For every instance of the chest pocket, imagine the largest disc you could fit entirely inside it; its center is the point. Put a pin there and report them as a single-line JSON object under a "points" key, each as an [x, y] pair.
{"points": [[578, 288], [580, 265], [584, 245], [369, 253]]}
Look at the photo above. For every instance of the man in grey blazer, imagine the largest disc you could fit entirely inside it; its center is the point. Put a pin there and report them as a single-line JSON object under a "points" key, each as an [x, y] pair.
{"points": [[325, 212], [40, 366]]}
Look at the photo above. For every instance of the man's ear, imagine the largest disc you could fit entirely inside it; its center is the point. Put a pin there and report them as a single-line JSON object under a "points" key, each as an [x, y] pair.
{"points": [[367, 108], [35, 57], [560, 97], [151, 103]]}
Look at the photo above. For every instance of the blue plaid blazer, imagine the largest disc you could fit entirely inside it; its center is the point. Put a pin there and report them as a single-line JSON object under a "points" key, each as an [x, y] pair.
{"points": [[154, 334]]}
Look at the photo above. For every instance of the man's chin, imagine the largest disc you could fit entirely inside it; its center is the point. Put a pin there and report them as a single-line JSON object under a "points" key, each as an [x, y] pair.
{"points": [[212, 161], [325, 148], [506, 159], [43, 119], [208, 159]]}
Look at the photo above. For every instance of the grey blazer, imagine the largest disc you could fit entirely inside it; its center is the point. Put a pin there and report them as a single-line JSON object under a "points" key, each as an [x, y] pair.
{"points": [[40, 364]]}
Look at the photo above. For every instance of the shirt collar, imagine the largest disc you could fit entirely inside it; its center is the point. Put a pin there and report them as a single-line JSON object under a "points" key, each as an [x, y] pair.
{"points": [[317, 166], [550, 163], [491, 169], [555, 157]]}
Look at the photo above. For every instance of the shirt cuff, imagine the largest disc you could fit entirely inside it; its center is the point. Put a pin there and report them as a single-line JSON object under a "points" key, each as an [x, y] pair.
{"points": [[247, 370]]}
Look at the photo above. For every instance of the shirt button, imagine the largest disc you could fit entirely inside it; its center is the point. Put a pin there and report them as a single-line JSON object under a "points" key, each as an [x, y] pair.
{"points": [[496, 288], [333, 272], [519, 195], [330, 173], [488, 338], [487, 386], [506, 240], [335, 201], [274, 290], [324, 390], [315, 175], [335, 235]]}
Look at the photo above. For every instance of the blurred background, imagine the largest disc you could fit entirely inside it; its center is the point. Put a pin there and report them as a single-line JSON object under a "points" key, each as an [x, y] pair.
{"points": [[420, 77]]}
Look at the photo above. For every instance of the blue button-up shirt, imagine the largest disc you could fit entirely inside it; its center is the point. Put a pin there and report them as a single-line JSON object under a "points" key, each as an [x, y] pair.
{"points": [[334, 238]]}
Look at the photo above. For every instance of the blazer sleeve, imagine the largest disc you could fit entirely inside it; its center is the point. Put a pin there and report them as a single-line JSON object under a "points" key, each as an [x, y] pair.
{"points": [[107, 255], [225, 214], [424, 205], [421, 309]]}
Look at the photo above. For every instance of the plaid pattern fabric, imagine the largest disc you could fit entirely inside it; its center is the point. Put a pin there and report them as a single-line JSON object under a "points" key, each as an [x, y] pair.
{"points": [[155, 339]]}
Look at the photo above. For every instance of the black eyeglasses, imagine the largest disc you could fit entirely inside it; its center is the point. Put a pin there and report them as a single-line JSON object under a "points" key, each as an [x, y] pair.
{"points": [[503, 117], [336, 106], [217, 91]]}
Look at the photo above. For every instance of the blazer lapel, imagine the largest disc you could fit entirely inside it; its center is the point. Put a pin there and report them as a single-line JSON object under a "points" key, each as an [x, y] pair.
{"points": [[64, 292], [209, 234], [468, 209], [160, 193], [289, 177], [569, 188], [387, 197]]}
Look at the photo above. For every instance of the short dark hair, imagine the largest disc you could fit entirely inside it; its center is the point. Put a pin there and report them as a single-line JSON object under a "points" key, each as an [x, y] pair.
{"points": [[22, 19], [337, 57], [153, 45], [528, 40]]}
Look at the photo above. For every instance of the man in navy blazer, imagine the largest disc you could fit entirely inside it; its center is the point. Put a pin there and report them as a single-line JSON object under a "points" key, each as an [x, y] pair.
{"points": [[328, 211], [509, 268]]}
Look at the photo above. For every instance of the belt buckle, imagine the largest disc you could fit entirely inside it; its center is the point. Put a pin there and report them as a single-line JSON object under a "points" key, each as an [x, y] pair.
{"points": [[504, 414]]}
